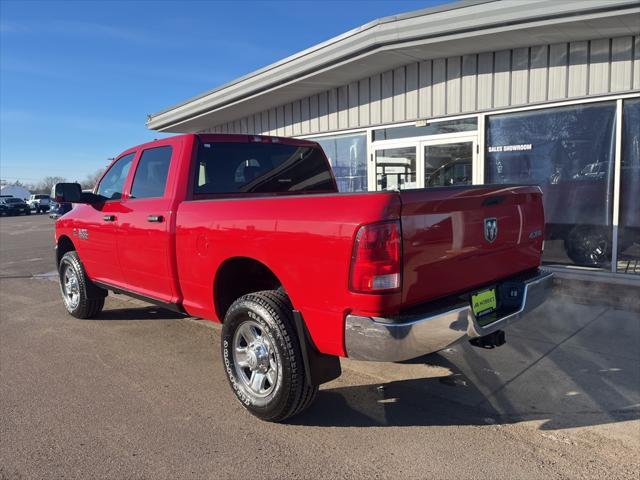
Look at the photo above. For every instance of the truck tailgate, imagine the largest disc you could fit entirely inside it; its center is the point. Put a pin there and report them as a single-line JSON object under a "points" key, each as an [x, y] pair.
{"points": [[446, 249]]}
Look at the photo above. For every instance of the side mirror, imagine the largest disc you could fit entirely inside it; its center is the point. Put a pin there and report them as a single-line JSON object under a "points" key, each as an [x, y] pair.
{"points": [[67, 193]]}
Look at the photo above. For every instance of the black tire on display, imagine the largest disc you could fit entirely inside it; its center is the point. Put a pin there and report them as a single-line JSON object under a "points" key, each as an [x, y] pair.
{"points": [[589, 245], [82, 298], [262, 357]]}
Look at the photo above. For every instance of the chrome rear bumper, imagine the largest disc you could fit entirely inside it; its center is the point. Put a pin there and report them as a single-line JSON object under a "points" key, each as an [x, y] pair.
{"points": [[386, 340]]}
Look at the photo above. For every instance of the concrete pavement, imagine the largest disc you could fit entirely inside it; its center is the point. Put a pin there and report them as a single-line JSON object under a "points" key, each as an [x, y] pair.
{"points": [[140, 393]]}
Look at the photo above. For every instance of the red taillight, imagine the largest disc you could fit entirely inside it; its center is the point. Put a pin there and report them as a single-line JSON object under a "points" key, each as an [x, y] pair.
{"points": [[376, 260]]}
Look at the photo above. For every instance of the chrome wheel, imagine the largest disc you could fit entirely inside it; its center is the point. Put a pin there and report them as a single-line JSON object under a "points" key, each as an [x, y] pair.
{"points": [[70, 288], [257, 363]]}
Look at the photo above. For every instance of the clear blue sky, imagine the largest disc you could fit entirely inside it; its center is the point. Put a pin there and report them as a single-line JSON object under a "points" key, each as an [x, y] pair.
{"points": [[77, 79]]}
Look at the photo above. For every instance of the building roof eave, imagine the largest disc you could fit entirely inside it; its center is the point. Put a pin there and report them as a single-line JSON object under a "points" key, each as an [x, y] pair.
{"points": [[392, 41]]}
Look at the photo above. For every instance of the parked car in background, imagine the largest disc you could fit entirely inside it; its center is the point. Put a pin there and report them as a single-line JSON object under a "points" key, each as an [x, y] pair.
{"points": [[15, 206], [251, 231], [59, 209], [39, 202]]}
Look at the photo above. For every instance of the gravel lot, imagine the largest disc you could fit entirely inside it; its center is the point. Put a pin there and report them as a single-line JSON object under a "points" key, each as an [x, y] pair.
{"points": [[140, 393]]}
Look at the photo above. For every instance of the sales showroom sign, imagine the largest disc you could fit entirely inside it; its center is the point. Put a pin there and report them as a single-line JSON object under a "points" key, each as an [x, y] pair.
{"points": [[510, 148]]}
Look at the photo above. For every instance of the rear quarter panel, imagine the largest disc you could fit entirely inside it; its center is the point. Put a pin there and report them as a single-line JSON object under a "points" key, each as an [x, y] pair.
{"points": [[306, 241]]}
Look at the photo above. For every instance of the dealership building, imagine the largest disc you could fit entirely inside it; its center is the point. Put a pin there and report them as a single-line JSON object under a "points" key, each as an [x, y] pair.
{"points": [[544, 92]]}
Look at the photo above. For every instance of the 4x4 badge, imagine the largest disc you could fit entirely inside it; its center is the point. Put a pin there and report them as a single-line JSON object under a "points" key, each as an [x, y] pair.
{"points": [[490, 229], [81, 233]]}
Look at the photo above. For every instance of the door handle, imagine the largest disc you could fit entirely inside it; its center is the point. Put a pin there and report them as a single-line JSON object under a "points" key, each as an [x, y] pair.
{"points": [[155, 218], [109, 218]]}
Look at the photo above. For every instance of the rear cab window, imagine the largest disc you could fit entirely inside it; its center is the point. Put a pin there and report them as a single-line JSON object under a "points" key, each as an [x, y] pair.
{"points": [[150, 178], [261, 168], [112, 182]]}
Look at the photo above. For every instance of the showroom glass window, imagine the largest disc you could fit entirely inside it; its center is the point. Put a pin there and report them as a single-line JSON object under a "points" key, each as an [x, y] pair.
{"points": [[569, 152], [348, 157], [629, 220]]}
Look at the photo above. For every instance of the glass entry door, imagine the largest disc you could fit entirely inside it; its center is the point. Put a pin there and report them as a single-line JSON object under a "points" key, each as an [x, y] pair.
{"points": [[396, 167], [425, 164], [450, 163]]}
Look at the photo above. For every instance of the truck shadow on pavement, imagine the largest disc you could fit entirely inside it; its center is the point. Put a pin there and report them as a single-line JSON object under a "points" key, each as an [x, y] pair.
{"points": [[137, 313], [567, 366], [401, 403], [455, 400]]}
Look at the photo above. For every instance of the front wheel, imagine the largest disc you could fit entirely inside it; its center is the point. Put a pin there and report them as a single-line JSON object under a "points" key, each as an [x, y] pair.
{"points": [[262, 357], [82, 298]]}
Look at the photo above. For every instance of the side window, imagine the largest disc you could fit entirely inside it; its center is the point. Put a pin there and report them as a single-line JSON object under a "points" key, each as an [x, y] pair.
{"points": [[112, 183], [151, 175]]}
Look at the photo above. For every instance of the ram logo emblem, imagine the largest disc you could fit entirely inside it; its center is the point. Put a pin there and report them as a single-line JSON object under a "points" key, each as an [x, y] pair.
{"points": [[490, 229]]}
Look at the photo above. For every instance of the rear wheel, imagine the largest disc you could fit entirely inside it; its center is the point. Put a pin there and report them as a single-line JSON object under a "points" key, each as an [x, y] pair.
{"points": [[82, 298], [262, 357]]}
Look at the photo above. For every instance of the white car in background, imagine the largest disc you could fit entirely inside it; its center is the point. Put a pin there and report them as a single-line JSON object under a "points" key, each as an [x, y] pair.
{"points": [[39, 202]]}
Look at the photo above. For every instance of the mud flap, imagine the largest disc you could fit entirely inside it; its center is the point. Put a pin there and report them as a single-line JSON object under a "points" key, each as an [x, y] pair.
{"points": [[319, 367]]}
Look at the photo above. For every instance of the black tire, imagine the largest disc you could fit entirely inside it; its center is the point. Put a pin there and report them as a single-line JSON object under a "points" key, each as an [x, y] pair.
{"points": [[589, 246], [28, 212], [90, 299], [271, 313]]}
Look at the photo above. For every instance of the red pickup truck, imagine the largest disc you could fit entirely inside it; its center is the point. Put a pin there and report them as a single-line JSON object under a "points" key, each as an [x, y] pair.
{"points": [[251, 231]]}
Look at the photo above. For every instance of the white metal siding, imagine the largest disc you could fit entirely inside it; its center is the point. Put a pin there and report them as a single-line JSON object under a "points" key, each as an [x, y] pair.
{"points": [[469, 81], [439, 87], [519, 76], [558, 71], [502, 79], [485, 81], [424, 89], [411, 100], [455, 85], [387, 97]]}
